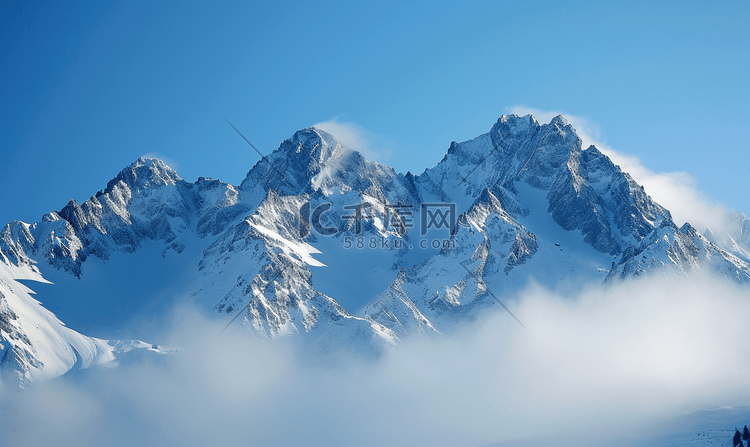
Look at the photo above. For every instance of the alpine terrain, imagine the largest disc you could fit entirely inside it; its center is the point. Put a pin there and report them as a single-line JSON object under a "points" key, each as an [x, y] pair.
{"points": [[344, 253]]}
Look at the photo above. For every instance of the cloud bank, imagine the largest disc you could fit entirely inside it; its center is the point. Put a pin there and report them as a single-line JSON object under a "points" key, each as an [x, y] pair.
{"points": [[677, 191], [596, 367]]}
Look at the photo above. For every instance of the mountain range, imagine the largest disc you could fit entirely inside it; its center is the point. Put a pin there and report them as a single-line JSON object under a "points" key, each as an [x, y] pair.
{"points": [[343, 253]]}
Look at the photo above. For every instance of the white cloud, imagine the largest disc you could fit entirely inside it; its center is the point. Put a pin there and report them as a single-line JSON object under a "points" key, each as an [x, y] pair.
{"points": [[676, 191], [592, 368], [372, 146]]}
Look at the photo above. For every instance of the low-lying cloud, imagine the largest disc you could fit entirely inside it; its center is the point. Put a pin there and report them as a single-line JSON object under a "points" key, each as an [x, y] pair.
{"points": [[597, 367], [676, 191]]}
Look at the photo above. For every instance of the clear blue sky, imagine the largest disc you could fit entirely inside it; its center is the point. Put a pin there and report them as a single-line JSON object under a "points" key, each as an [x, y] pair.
{"points": [[88, 87]]}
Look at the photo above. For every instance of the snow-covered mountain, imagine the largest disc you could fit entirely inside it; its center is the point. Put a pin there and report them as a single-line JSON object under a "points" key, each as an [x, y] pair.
{"points": [[35, 344], [343, 252]]}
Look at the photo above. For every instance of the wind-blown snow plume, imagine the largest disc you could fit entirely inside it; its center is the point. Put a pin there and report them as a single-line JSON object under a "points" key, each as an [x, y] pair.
{"points": [[372, 146]]}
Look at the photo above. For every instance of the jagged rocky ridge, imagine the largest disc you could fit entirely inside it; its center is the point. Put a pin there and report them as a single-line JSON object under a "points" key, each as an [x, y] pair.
{"points": [[529, 202]]}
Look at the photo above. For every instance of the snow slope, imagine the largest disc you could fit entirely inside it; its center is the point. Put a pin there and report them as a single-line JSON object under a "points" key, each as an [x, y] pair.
{"points": [[34, 343]]}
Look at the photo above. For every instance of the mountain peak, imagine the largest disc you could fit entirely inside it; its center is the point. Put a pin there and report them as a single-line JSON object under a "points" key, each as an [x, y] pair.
{"points": [[310, 152], [314, 133], [513, 123], [152, 162], [146, 172], [559, 120], [317, 144]]}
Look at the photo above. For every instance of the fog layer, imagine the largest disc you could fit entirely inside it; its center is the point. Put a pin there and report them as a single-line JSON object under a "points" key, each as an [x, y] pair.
{"points": [[601, 366]]}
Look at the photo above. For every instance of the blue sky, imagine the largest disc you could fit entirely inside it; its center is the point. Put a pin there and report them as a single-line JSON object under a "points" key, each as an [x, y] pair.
{"points": [[88, 87]]}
